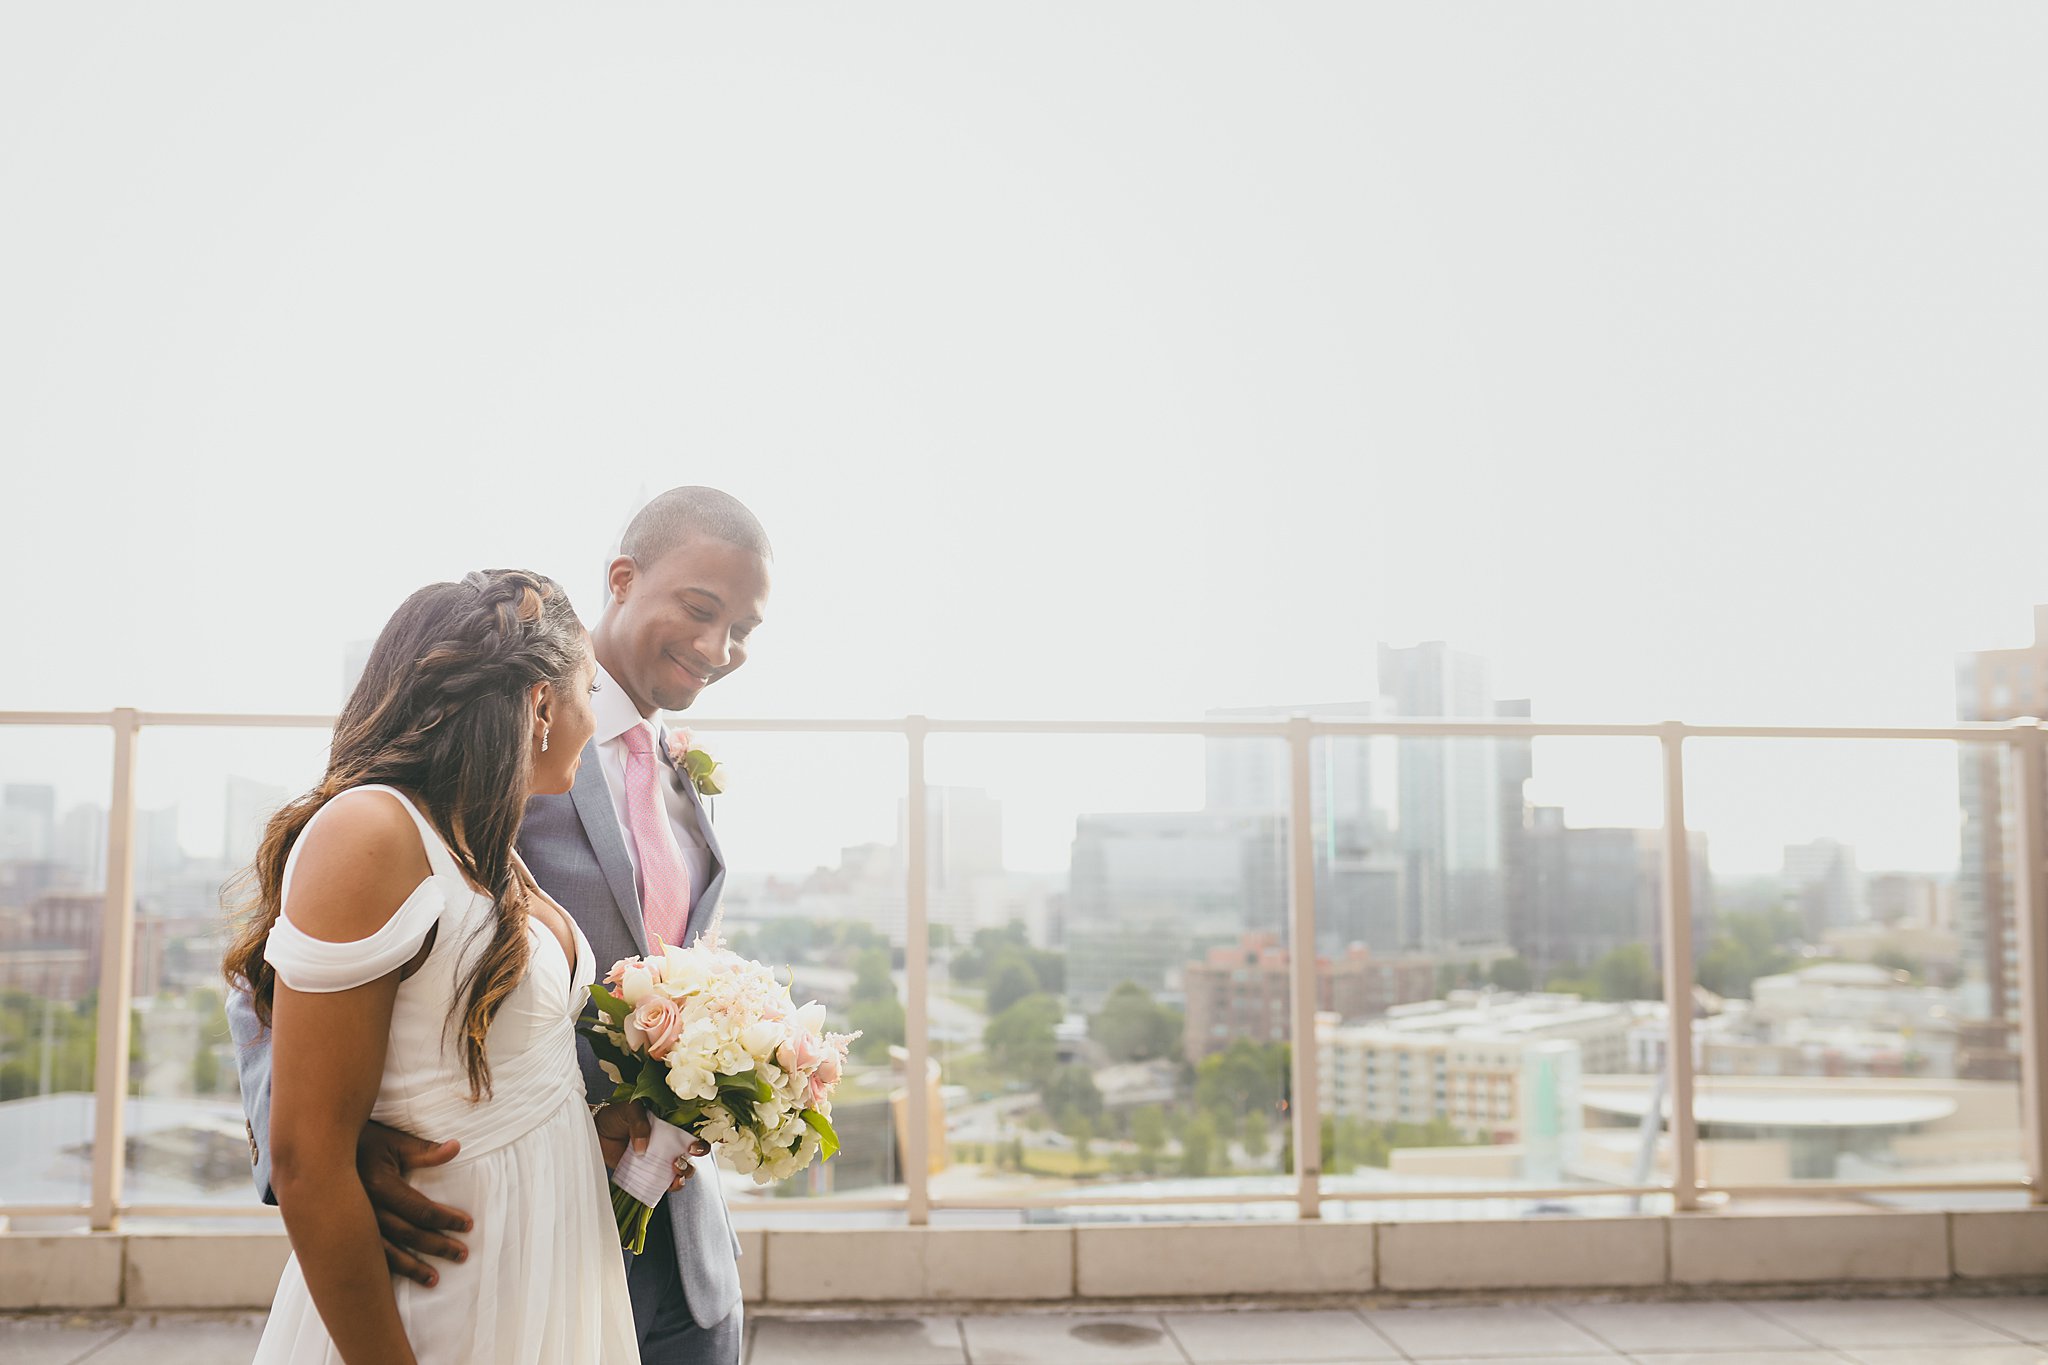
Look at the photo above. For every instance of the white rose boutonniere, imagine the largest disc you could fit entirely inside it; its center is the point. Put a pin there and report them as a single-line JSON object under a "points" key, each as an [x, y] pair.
{"points": [[706, 774]]}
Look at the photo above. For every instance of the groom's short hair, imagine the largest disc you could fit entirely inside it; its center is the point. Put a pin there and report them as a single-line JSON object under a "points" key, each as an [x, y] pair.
{"points": [[672, 518]]}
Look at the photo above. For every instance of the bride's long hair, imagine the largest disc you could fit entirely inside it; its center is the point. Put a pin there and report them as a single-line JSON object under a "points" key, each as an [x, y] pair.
{"points": [[443, 713]]}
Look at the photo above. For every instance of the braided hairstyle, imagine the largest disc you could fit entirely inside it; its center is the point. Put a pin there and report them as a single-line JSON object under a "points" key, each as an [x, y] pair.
{"points": [[443, 713]]}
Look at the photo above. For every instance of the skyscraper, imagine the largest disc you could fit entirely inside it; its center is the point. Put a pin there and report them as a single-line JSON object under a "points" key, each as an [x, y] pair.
{"points": [[1358, 864], [1460, 804], [1825, 885], [1993, 684]]}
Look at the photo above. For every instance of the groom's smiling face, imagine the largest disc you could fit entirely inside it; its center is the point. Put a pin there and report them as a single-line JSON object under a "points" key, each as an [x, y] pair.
{"points": [[678, 625]]}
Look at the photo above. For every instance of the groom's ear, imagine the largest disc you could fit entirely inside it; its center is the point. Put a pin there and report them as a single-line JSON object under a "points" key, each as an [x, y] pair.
{"points": [[618, 579]]}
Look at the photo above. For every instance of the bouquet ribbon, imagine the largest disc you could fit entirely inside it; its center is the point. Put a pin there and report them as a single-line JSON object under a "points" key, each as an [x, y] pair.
{"points": [[647, 1175]]}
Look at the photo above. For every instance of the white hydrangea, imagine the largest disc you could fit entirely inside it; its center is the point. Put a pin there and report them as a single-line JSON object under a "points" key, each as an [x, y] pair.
{"points": [[733, 1017]]}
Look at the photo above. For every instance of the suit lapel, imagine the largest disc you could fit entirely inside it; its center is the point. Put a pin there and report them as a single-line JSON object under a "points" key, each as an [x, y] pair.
{"points": [[601, 822], [714, 881]]}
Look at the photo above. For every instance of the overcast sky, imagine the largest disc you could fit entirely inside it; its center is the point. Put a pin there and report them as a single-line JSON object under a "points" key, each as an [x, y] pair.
{"points": [[1104, 359]]}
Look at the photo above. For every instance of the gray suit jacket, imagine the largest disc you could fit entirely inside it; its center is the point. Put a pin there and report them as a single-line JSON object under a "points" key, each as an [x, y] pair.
{"points": [[577, 852]]}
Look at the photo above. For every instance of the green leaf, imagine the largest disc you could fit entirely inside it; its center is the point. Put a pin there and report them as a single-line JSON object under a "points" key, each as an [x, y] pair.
{"points": [[607, 1050], [609, 1003], [651, 1085], [828, 1136], [748, 1083]]}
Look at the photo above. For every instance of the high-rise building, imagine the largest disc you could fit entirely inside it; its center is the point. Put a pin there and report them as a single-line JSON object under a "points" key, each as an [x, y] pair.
{"points": [[1592, 890], [1148, 893], [963, 834], [82, 845], [28, 822], [1825, 885], [250, 805], [1460, 804], [1358, 862], [1993, 684]]}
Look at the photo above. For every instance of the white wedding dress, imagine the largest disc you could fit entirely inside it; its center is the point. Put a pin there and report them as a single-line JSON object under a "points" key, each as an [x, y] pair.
{"points": [[545, 1280]]}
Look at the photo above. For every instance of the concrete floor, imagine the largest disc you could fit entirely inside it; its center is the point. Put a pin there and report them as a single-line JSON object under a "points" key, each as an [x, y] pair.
{"points": [[1960, 1331]]}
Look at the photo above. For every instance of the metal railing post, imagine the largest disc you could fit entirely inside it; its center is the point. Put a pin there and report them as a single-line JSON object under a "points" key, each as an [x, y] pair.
{"points": [[1301, 937], [917, 1115], [1678, 969], [117, 978], [2030, 904]]}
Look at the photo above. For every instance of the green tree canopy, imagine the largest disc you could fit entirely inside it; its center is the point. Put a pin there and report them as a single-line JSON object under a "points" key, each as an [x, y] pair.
{"points": [[871, 979], [1132, 1027], [1021, 1041], [1244, 1077], [1071, 1091], [881, 1024], [1012, 980]]}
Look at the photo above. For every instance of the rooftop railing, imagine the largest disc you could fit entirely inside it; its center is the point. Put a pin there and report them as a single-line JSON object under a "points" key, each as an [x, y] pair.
{"points": [[2023, 743]]}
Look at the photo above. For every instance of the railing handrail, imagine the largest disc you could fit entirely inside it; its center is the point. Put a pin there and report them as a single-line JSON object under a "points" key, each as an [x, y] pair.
{"points": [[1278, 727]]}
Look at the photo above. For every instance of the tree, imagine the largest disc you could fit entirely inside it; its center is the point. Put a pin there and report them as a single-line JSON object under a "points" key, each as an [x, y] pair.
{"points": [[1623, 974], [1258, 1139], [871, 979], [1082, 1131], [1747, 945], [1148, 1132], [1011, 981], [1133, 1027], [1243, 1077], [881, 1025], [1070, 1092], [1627, 974], [1021, 1041], [1511, 974], [1197, 1146]]}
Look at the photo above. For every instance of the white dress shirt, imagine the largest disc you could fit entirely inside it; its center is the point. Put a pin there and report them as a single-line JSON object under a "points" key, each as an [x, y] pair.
{"points": [[616, 714]]}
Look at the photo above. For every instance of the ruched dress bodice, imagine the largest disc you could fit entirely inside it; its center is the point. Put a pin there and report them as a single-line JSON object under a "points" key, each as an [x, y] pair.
{"points": [[544, 1280]]}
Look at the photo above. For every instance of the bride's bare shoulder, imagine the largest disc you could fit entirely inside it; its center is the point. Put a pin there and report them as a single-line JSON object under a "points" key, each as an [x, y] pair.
{"points": [[355, 865]]}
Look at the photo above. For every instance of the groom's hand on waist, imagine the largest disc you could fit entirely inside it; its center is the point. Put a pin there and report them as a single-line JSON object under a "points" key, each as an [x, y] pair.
{"points": [[413, 1226]]}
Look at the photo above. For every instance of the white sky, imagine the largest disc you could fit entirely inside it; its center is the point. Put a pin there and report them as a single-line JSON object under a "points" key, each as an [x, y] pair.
{"points": [[1089, 359]]}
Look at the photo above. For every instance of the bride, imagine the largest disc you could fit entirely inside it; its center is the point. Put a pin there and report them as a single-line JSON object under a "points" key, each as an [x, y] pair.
{"points": [[413, 974]]}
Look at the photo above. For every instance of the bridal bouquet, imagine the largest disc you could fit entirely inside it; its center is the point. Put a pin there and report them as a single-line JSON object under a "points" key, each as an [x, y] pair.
{"points": [[712, 1044]]}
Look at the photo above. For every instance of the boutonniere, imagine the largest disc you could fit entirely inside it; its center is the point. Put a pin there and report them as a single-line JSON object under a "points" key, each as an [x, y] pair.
{"points": [[706, 773]]}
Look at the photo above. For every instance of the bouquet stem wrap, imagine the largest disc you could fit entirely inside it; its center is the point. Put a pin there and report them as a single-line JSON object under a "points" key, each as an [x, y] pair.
{"points": [[644, 1177]]}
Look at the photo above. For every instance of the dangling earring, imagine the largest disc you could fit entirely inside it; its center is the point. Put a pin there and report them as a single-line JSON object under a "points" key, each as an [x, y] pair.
{"points": [[543, 739]]}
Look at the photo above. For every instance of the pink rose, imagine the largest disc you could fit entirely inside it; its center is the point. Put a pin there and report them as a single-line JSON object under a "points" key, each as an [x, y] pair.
{"points": [[827, 1073], [678, 745], [654, 1024], [801, 1052], [619, 969]]}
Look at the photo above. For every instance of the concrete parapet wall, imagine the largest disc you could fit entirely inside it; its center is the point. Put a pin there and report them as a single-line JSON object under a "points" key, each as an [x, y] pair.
{"points": [[1673, 1255]]}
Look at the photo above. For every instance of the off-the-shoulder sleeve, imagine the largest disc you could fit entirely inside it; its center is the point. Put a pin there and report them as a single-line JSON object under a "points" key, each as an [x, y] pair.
{"points": [[314, 965]]}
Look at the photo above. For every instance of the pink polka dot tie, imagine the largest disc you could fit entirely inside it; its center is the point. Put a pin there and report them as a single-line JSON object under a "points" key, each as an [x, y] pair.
{"points": [[664, 881]]}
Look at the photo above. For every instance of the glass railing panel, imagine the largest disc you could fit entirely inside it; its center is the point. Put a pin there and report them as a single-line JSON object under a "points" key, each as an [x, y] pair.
{"points": [[53, 848], [204, 797], [1490, 955], [1109, 972], [1860, 997], [811, 827]]}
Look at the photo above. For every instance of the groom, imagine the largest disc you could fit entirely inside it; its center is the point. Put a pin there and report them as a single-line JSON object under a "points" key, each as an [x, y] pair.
{"points": [[630, 853]]}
